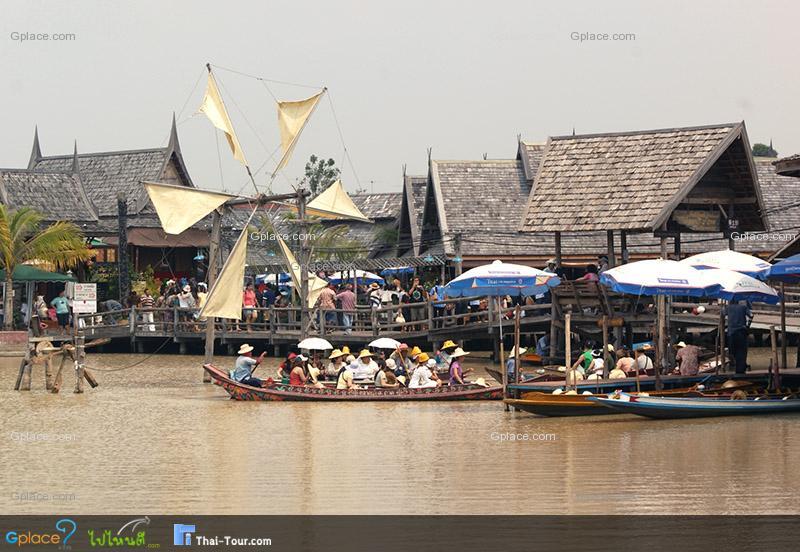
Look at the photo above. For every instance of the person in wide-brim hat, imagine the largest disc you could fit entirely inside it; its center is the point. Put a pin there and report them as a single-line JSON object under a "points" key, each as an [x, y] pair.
{"points": [[459, 352], [336, 353], [245, 348], [449, 344], [364, 353]]}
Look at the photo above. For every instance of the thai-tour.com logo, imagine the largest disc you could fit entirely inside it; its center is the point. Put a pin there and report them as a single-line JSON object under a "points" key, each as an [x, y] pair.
{"points": [[60, 536], [186, 535]]}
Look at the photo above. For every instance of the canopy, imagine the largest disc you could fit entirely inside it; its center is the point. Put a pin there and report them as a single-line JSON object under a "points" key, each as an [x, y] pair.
{"points": [[730, 260], [315, 344], [394, 270], [787, 270], [362, 276], [736, 285], [658, 277], [28, 273], [501, 278], [335, 203]]}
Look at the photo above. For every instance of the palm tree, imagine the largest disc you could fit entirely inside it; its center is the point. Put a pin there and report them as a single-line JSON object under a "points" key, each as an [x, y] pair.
{"points": [[22, 240]]}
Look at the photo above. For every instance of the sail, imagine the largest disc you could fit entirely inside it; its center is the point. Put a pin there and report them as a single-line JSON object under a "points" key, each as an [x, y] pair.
{"points": [[214, 109], [334, 202], [292, 118], [315, 283], [179, 207]]}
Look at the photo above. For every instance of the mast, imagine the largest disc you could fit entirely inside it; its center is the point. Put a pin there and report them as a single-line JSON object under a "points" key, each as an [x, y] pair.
{"points": [[303, 222], [211, 276]]}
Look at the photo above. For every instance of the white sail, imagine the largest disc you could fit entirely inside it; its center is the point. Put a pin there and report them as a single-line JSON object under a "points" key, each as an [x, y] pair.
{"points": [[292, 118], [334, 203], [214, 109], [179, 207]]}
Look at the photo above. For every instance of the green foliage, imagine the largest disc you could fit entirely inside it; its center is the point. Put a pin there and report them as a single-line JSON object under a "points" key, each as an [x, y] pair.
{"points": [[763, 150], [22, 240], [320, 174]]}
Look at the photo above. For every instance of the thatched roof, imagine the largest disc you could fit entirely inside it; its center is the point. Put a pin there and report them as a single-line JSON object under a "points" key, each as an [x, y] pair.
{"points": [[635, 180]]}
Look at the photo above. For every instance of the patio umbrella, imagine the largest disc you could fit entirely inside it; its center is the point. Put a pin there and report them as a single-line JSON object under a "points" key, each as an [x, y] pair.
{"points": [[786, 271], [497, 280], [739, 286], [730, 260], [385, 343], [663, 278], [395, 270], [274, 279], [315, 344], [362, 276]]}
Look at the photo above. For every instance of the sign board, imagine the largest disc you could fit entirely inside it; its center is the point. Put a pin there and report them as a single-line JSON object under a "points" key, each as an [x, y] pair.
{"points": [[698, 221], [85, 292], [84, 307]]}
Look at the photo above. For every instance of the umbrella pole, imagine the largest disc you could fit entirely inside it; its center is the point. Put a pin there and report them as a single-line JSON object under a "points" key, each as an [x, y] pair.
{"points": [[720, 331], [660, 307], [502, 353], [568, 347]]}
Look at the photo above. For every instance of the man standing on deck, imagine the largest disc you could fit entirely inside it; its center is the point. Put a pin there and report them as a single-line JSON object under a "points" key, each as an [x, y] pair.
{"points": [[739, 317], [348, 301], [688, 358], [326, 303]]}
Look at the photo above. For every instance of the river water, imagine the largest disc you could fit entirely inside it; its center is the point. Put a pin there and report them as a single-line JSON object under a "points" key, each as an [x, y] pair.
{"points": [[156, 440]]}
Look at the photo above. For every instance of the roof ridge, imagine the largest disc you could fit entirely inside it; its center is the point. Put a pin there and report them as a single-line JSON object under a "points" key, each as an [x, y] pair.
{"points": [[647, 131], [104, 153], [475, 160]]}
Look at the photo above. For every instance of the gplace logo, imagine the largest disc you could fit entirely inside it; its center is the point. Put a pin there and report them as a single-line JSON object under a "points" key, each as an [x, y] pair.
{"points": [[65, 529]]}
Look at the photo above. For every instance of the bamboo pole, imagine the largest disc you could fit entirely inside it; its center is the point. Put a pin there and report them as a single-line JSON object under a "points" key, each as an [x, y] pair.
{"points": [[568, 348]]}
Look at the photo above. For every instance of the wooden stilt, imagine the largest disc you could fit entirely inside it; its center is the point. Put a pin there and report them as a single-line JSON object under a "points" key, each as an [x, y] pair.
{"points": [[80, 356], [784, 336], [774, 374], [568, 374], [48, 373], [59, 377]]}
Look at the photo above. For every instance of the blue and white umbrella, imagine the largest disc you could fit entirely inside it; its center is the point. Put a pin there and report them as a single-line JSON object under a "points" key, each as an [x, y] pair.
{"points": [[787, 270], [738, 286], [730, 260], [274, 279], [498, 279], [363, 277], [659, 277], [395, 270]]}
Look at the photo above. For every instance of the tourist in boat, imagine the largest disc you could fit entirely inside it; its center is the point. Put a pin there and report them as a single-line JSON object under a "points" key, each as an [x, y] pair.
{"points": [[385, 376], [688, 359], [285, 367], [402, 360], [298, 374], [443, 355], [543, 346], [642, 362], [365, 367], [597, 366], [336, 361], [624, 363], [511, 362], [456, 371], [423, 377], [345, 379], [414, 356], [432, 366], [739, 316], [584, 360], [246, 365]]}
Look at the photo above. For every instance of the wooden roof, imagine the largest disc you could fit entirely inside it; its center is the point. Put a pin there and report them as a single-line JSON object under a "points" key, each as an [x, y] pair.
{"points": [[530, 154], [57, 195], [411, 211], [635, 180], [789, 166]]}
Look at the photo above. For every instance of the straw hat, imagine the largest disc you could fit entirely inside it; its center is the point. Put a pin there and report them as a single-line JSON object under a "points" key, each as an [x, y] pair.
{"points": [[313, 371], [449, 344], [401, 380], [610, 348], [245, 348], [415, 352], [345, 350], [364, 353], [481, 382], [681, 345], [374, 285], [391, 364], [422, 358], [459, 352], [513, 352], [336, 353]]}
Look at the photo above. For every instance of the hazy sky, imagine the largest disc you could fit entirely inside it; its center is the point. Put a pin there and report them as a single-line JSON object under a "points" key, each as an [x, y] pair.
{"points": [[463, 78]]}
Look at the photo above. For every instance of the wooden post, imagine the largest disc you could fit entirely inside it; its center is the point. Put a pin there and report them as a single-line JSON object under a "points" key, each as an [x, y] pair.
{"points": [[661, 341], [59, 378], [558, 249], [517, 317], [612, 261], [80, 357], [457, 261], [304, 260], [211, 277], [774, 371], [784, 336], [568, 349], [553, 327], [605, 346], [122, 247], [678, 247], [722, 356], [623, 245], [48, 373]]}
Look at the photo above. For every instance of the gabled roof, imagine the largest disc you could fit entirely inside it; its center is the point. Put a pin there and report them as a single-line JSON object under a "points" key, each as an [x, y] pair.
{"points": [[788, 166], [480, 200], [635, 180], [57, 195], [105, 174], [530, 154], [378, 206], [781, 197], [411, 211]]}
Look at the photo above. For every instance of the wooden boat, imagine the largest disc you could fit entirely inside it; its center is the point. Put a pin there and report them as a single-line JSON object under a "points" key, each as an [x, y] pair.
{"points": [[284, 392], [674, 407], [547, 404], [646, 383]]}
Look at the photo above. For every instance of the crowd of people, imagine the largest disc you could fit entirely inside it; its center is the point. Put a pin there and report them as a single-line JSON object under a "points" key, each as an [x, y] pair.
{"points": [[403, 367]]}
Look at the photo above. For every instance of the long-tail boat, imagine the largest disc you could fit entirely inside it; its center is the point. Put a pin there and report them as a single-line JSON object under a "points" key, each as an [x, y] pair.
{"points": [[690, 407], [285, 392], [548, 404]]}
